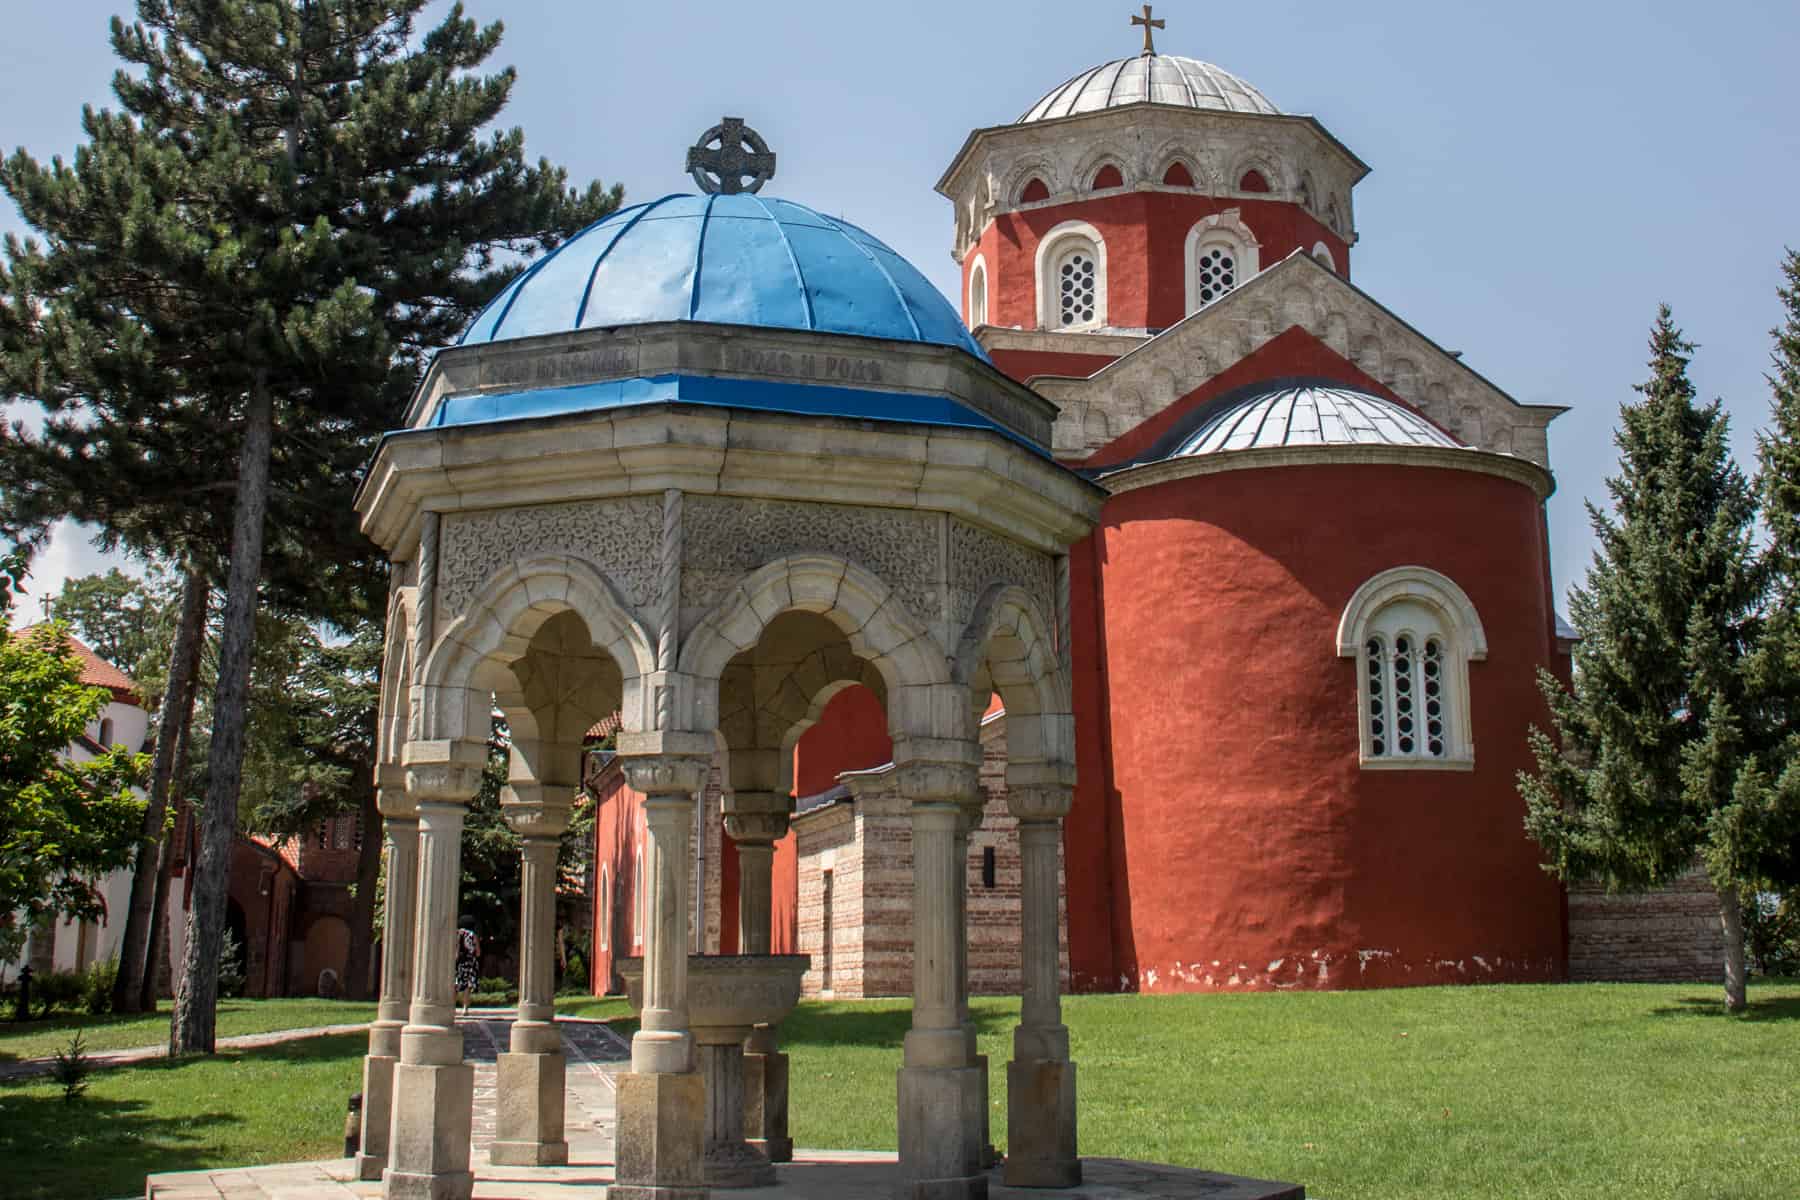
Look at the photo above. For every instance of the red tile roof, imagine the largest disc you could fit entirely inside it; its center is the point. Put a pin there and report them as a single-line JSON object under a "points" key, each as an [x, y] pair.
{"points": [[97, 672]]}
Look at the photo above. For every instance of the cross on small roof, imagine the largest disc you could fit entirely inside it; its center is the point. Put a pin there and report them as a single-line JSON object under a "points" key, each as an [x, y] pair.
{"points": [[1149, 25], [740, 162]]}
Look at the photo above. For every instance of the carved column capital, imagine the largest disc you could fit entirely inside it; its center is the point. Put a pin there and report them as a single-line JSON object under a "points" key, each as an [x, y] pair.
{"points": [[951, 774], [1040, 801], [536, 809], [664, 774], [756, 817], [442, 783]]}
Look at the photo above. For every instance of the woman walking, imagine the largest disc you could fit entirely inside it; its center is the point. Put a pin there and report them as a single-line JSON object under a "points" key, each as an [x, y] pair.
{"points": [[468, 961]]}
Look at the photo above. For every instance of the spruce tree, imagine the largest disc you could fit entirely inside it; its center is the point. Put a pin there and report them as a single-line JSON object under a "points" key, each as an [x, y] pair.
{"points": [[241, 273], [1656, 739]]}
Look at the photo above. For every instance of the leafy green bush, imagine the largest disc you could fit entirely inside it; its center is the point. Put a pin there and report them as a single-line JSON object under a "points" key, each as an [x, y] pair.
{"points": [[1772, 933], [57, 990], [97, 987]]}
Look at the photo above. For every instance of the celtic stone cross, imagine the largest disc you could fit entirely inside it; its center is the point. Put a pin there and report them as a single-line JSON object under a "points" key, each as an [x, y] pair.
{"points": [[730, 158]]}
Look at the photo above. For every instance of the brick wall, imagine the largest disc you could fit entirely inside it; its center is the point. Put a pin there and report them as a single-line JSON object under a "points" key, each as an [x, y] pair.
{"points": [[1672, 933], [866, 845]]}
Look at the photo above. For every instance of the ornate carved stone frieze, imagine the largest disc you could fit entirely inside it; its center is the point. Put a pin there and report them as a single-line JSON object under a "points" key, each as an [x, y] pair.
{"points": [[979, 559], [621, 538], [729, 537]]}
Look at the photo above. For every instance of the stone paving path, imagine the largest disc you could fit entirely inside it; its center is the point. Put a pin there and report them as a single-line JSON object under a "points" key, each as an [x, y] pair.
{"points": [[27, 1067]]}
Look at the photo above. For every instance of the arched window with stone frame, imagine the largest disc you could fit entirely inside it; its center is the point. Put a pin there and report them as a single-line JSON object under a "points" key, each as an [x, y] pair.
{"points": [[977, 309], [1071, 278], [1221, 255], [606, 908], [1412, 633], [640, 916]]}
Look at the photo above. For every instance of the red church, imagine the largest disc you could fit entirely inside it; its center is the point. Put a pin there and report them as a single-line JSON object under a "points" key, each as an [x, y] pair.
{"points": [[1306, 632]]}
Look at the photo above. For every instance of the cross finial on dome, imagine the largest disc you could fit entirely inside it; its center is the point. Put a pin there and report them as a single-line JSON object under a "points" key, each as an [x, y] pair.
{"points": [[1149, 25], [739, 155]]}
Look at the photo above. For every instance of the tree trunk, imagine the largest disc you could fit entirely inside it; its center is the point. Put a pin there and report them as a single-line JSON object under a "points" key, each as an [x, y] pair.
{"points": [[193, 1025], [158, 947], [129, 985], [1731, 916], [357, 981]]}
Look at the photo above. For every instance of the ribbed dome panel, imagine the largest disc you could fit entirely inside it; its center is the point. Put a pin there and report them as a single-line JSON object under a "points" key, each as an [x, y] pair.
{"points": [[1155, 79]]}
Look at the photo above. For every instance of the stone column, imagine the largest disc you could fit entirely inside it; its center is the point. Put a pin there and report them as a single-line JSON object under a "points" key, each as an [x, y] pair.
{"points": [[940, 1150], [1040, 1080], [661, 1102], [756, 821], [401, 833], [980, 1120], [529, 1079], [434, 1090]]}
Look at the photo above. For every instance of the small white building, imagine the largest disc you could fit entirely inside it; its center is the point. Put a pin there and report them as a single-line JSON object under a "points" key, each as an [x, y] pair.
{"points": [[68, 945]]}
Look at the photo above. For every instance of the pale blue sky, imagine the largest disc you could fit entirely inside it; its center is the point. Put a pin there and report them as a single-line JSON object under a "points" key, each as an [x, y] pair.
{"points": [[1544, 173]]}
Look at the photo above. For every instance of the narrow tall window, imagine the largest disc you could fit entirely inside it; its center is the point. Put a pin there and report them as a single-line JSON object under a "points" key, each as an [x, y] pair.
{"points": [[1076, 279], [825, 931], [640, 916], [606, 909], [978, 299], [1415, 632]]}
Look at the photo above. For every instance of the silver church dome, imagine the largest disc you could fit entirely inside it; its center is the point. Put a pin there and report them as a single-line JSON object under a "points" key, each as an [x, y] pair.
{"points": [[1152, 78]]}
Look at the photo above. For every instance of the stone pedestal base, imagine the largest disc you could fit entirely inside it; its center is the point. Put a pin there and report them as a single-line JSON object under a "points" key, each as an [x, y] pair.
{"points": [[661, 1135], [528, 1126], [940, 1145], [377, 1114], [1040, 1125], [766, 1105], [428, 1146]]}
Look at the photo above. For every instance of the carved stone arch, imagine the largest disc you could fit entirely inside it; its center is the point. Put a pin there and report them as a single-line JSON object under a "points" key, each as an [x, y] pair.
{"points": [[1337, 332], [1022, 173], [1264, 160], [1090, 165], [1405, 373], [469, 661], [872, 618], [1366, 354], [1009, 640], [1433, 589], [1175, 150]]}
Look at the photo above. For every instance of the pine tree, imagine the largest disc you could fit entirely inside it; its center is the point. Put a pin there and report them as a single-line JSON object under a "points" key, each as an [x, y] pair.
{"points": [[242, 272], [1657, 740]]}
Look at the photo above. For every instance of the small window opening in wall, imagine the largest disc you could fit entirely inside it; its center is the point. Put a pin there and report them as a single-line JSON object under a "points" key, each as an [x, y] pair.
{"points": [[1108, 177], [1253, 181], [1035, 190], [1076, 278], [106, 731], [1178, 176], [825, 931], [1217, 273], [987, 866]]}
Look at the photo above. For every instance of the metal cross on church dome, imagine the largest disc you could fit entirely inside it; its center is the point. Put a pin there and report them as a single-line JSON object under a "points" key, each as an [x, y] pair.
{"points": [[727, 155], [1149, 26]]}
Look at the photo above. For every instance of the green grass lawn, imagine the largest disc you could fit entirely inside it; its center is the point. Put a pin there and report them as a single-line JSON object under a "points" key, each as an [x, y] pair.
{"points": [[37, 1039], [1521, 1093], [278, 1104]]}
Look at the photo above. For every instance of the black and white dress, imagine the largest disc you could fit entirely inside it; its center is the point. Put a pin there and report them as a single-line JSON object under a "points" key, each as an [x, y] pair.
{"points": [[468, 959]]}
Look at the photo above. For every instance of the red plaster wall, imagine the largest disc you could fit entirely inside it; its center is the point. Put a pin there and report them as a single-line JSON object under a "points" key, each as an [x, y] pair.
{"points": [[1145, 234], [1228, 819], [1025, 365], [618, 831], [851, 735]]}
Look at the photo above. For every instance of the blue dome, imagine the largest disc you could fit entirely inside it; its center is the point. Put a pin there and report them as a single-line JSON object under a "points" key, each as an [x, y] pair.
{"points": [[733, 260]]}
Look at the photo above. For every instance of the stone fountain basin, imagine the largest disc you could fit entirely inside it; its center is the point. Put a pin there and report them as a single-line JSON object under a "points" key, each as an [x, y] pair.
{"points": [[730, 991]]}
